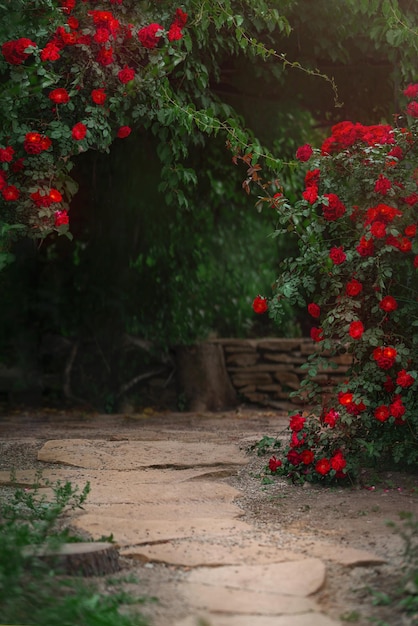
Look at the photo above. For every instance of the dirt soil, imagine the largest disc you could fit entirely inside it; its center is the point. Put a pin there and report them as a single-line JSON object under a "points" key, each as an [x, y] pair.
{"points": [[353, 516]]}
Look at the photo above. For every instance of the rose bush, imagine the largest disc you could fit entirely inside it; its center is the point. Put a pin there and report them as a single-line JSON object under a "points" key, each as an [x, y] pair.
{"points": [[356, 226], [68, 88]]}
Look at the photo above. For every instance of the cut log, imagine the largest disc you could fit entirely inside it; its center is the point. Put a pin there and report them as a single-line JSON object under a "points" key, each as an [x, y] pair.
{"points": [[78, 559]]}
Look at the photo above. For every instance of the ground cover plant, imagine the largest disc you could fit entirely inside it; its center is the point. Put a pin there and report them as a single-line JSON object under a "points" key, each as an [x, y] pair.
{"points": [[356, 226], [34, 592]]}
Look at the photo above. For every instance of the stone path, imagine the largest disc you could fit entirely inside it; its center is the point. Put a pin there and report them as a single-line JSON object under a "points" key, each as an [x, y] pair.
{"points": [[159, 492]]}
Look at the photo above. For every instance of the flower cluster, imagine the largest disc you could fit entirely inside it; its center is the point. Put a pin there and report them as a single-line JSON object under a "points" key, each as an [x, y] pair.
{"points": [[302, 459], [360, 253], [83, 77]]}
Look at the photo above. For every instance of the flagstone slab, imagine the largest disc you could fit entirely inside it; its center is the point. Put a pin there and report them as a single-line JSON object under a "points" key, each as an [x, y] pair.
{"points": [[349, 557], [218, 599], [133, 531], [148, 486], [297, 578], [124, 455], [176, 510], [190, 553], [212, 619], [114, 492]]}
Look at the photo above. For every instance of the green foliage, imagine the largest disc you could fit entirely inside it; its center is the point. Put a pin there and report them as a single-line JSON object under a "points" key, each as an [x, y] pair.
{"points": [[32, 592], [356, 270]]}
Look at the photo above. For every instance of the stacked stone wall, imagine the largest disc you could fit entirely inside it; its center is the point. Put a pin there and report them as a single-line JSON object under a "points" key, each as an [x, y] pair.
{"points": [[266, 371]]}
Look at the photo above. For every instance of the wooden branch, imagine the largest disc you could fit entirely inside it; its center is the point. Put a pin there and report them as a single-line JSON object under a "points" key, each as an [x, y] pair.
{"points": [[138, 379]]}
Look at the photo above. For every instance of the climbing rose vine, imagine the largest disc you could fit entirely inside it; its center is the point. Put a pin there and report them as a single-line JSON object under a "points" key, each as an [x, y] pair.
{"points": [[72, 89], [356, 273]]}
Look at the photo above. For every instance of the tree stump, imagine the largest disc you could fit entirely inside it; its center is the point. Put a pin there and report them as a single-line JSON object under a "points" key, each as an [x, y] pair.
{"points": [[79, 559], [203, 379]]}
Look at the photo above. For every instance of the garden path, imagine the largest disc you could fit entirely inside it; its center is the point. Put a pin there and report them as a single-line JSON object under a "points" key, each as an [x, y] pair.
{"points": [[171, 489]]}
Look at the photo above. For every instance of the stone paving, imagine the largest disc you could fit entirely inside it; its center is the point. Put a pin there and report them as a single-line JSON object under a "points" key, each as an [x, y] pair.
{"points": [[157, 492]]}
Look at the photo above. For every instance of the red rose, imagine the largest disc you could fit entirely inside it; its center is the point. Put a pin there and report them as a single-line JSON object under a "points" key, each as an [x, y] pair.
{"points": [[310, 194], [307, 456], [276, 199], [79, 131], [353, 288], [312, 178], [411, 91], [334, 209], [382, 413], [10, 193], [124, 131], [260, 304], [98, 96], [67, 6], [378, 230], [331, 418], [405, 245], [404, 379], [382, 213], [356, 329], [411, 230], [345, 398], [338, 462], [73, 23], [415, 261], [412, 109], [35, 143], [174, 32], [382, 185], [61, 218], [385, 357], [323, 466], [126, 74], [317, 334], [337, 255], [397, 409], [105, 56], [42, 200], [388, 304], [392, 241], [148, 35], [297, 422], [59, 96], [6, 154], [181, 17], [51, 52], [293, 457], [396, 152], [101, 35], [274, 464], [314, 310], [411, 200], [14, 51], [55, 195], [295, 442], [45, 143], [365, 247], [304, 153]]}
